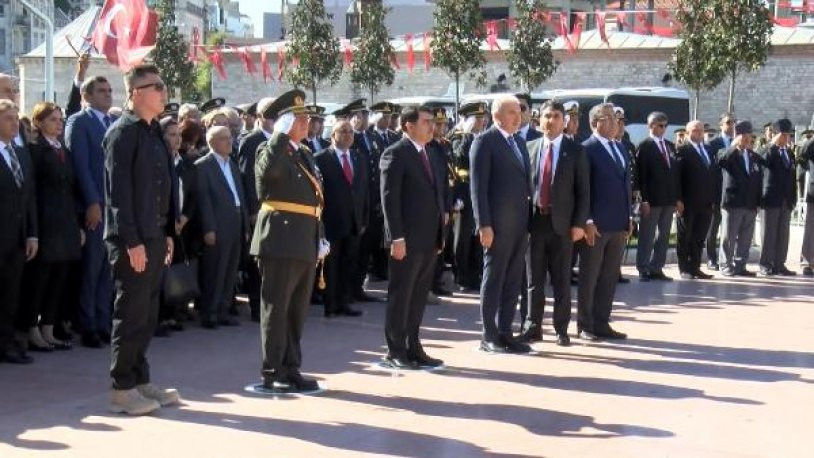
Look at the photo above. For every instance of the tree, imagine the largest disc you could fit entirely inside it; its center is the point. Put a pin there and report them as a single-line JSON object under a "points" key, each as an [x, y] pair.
{"points": [[695, 60], [313, 51], [457, 36], [742, 31], [530, 58], [371, 64], [171, 53]]}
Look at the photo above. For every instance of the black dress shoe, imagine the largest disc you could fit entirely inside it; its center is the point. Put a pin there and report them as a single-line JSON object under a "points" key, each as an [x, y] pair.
{"points": [[728, 272], [91, 340], [279, 386], [364, 297], [426, 361], [228, 322], [531, 334], [441, 292], [16, 356], [162, 330], [563, 340], [347, 311], [209, 324], [701, 275], [47, 348], [786, 272], [745, 273], [514, 346], [302, 383], [610, 333], [767, 271], [808, 271], [588, 335], [659, 276], [644, 276], [400, 363], [489, 346], [688, 276], [623, 280], [711, 265]]}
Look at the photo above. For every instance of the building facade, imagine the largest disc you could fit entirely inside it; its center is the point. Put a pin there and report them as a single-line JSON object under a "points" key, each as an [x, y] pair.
{"points": [[20, 31]]}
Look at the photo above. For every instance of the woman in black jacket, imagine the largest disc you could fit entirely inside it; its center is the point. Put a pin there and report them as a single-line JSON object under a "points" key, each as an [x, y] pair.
{"points": [[60, 236]]}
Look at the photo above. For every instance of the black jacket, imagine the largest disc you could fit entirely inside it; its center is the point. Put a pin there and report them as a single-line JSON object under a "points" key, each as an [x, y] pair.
{"points": [[18, 207], [139, 177], [698, 179], [247, 152], [656, 180], [779, 179], [346, 207], [57, 210], [741, 188]]}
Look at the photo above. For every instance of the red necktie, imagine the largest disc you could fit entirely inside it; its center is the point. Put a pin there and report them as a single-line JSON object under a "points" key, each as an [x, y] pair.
{"points": [[347, 170], [664, 153], [426, 162], [60, 154], [545, 183]]}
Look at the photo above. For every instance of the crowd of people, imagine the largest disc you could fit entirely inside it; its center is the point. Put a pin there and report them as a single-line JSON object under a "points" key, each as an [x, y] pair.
{"points": [[98, 201]]}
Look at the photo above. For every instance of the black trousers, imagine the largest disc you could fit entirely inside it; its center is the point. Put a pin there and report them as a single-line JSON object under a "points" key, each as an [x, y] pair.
{"points": [[135, 312], [468, 254], [598, 277], [338, 277], [372, 256], [549, 254], [693, 228], [712, 235], [410, 282], [11, 273], [285, 295], [44, 290]]}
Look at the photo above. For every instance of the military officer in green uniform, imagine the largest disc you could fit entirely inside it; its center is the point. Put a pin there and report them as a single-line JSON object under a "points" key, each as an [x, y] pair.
{"points": [[287, 242], [468, 257], [441, 147]]}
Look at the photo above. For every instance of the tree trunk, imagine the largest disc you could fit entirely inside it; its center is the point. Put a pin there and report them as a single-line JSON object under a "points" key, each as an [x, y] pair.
{"points": [[457, 94], [697, 101], [730, 105], [314, 91], [371, 97]]}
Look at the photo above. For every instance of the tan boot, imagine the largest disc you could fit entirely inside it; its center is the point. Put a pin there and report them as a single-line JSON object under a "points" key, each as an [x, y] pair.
{"points": [[164, 397], [48, 336], [131, 402], [36, 342]]}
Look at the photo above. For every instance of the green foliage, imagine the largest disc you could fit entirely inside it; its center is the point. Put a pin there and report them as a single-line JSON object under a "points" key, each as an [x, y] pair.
{"points": [[371, 66], [171, 53], [312, 44], [530, 58], [457, 36]]}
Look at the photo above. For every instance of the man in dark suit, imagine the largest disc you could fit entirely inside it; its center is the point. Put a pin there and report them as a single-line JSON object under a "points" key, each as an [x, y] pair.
{"points": [[608, 227], [379, 125], [18, 233], [806, 160], [561, 199], [501, 196], [345, 183], [777, 201], [247, 152], [316, 121], [468, 255], [696, 187], [140, 216], [372, 255], [412, 192], [742, 185], [526, 132], [286, 242], [718, 146], [657, 175], [84, 132], [225, 225]]}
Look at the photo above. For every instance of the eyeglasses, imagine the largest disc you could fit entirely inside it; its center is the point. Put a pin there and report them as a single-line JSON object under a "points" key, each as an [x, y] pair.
{"points": [[158, 86]]}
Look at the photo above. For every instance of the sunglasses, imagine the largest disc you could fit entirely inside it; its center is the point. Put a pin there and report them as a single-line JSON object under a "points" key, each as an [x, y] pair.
{"points": [[158, 86]]}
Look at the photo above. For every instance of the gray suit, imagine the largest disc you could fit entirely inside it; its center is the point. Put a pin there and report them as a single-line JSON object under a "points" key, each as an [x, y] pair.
{"points": [[219, 214], [501, 196], [550, 244]]}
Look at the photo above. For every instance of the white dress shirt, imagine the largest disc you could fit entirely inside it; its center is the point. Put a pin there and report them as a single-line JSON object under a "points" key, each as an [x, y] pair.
{"points": [[226, 169]]}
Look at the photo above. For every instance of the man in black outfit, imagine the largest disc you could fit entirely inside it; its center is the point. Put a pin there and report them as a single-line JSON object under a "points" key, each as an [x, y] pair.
{"points": [[717, 146], [345, 181], [139, 223], [412, 191], [18, 232], [696, 188], [561, 198]]}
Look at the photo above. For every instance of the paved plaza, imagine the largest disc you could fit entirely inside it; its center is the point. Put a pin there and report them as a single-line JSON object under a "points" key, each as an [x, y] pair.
{"points": [[711, 369]]}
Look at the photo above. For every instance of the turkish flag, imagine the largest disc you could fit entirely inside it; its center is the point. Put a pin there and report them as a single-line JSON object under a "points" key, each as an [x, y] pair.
{"points": [[264, 63], [410, 53], [125, 32]]}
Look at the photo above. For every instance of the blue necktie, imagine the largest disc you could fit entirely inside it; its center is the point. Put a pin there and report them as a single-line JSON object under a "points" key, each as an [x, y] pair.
{"points": [[617, 157], [106, 121], [516, 150], [16, 170]]}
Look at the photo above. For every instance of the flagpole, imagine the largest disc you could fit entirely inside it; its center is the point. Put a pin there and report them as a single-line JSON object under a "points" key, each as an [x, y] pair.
{"points": [[49, 49]]}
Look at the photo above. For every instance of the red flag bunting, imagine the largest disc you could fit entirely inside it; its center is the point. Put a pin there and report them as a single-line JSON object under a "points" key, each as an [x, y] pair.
{"points": [[564, 33], [786, 21], [576, 37], [280, 62], [195, 41], [427, 52], [491, 35], [125, 32], [663, 13], [643, 25], [395, 61], [600, 25], [248, 63], [348, 55], [217, 61], [410, 53], [264, 63]]}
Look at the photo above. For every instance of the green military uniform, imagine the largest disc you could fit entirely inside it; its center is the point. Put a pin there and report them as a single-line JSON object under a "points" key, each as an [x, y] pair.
{"points": [[285, 242], [467, 248]]}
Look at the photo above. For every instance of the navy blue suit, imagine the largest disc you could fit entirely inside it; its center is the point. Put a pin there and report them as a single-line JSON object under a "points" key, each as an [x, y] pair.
{"points": [[501, 197], [610, 212], [83, 136]]}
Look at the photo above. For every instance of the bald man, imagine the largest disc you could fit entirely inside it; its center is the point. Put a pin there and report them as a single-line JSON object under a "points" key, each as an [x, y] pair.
{"points": [[696, 186]]}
